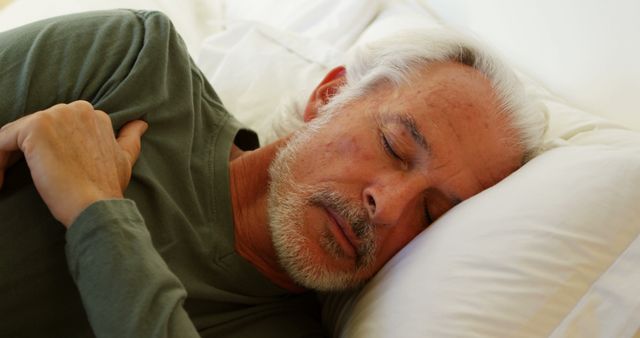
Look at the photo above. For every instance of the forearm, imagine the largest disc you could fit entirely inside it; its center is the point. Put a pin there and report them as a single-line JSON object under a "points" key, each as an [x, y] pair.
{"points": [[130, 65], [126, 288]]}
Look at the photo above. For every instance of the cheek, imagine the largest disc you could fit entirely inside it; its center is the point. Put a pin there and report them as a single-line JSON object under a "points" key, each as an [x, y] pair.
{"points": [[362, 148], [347, 145], [346, 155], [338, 156], [395, 239]]}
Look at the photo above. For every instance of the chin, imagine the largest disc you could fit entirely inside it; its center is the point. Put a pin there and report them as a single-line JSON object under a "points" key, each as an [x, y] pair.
{"points": [[319, 272], [312, 259]]}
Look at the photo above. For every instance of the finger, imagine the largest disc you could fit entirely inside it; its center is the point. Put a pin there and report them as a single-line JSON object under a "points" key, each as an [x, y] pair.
{"points": [[129, 138], [9, 135], [81, 105], [105, 119], [9, 145]]}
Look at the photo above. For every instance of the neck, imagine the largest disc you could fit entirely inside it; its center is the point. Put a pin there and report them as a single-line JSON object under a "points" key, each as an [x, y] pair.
{"points": [[249, 175]]}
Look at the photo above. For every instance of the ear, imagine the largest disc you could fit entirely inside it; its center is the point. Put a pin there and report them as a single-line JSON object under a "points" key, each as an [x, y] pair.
{"points": [[327, 88]]}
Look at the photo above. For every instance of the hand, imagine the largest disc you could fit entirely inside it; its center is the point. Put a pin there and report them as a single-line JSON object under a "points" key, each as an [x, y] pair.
{"points": [[73, 155]]}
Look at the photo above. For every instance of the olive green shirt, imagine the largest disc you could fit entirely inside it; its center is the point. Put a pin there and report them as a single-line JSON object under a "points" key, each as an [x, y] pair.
{"points": [[162, 262]]}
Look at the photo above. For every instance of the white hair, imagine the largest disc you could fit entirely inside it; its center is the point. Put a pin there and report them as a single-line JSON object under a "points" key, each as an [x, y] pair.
{"points": [[395, 58]]}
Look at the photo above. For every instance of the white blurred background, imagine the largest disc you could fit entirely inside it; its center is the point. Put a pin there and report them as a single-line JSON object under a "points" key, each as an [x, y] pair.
{"points": [[585, 51]]}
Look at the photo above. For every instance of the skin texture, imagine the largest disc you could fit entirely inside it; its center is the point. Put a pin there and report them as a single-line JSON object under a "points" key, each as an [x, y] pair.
{"points": [[397, 189]]}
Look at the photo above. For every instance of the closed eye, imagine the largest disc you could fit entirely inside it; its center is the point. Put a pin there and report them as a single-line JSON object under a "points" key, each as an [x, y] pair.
{"points": [[389, 148]]}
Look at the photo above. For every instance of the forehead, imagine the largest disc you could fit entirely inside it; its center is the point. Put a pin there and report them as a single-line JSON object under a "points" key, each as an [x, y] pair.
{"points": [[449, 89]]}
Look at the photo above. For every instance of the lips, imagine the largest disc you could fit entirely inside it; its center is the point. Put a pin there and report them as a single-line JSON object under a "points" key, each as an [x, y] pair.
{"points": [[344, 234]]}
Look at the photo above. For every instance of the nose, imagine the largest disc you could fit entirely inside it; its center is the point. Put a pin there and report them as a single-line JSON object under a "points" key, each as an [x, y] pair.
{"points": [[390, 198]]}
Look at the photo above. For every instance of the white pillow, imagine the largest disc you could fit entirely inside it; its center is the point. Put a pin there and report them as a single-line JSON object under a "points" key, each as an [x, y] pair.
{"points": [[550, 251], [540, 254]]}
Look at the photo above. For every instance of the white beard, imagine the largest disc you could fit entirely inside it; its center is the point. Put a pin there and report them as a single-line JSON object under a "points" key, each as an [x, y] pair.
{"points": [[287, 201]]}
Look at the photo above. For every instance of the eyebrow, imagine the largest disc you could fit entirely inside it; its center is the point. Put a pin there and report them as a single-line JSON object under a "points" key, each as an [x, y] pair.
{"points": [[410, 124]]}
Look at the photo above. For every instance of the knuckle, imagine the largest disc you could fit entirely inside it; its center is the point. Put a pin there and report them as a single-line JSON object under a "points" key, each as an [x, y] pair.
{"points": [[82, 110], [57, 107], [104, 117], [81, 105], [42, 122], [104, 121]]}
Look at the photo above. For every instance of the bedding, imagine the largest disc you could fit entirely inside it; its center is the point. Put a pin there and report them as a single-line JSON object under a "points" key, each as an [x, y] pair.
{"points": [[584, 51], [552, 251]]}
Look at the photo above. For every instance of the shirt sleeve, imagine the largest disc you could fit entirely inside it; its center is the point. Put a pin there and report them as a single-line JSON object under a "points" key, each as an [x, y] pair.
{"points": [[126, 288]]}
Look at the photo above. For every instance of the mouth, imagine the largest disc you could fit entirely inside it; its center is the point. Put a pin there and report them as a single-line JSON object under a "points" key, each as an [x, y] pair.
{"points": [[343, 233]]}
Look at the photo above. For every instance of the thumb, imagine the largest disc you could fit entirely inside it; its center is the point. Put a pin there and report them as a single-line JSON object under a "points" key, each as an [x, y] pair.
{"points": [[129, 138]]}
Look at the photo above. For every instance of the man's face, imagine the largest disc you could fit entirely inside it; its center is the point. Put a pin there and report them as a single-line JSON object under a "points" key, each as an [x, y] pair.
{"points": [[357, 185]]}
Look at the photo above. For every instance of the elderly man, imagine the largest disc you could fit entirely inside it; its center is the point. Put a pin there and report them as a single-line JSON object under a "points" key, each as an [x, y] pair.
{"points": [[207, 235]]}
